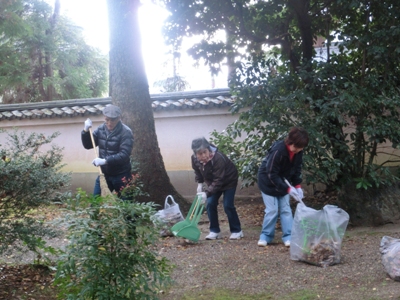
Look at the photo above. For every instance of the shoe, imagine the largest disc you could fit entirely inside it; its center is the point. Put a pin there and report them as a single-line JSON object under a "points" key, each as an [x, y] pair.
{"points": [[287, 244], [262, 243], [212, 236], [236, 235]]}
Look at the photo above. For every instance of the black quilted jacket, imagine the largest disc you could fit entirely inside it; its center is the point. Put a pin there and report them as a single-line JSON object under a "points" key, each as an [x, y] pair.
{"points": [[115, 147]]}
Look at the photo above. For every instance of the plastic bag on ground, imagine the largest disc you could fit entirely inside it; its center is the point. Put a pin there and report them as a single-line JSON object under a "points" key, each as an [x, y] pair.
{"points": [[390, 251], [167, 217], [317, 234]]}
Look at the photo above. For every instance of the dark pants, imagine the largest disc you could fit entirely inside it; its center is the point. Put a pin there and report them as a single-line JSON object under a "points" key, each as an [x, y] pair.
{"points": [[229, 208], [115, 183]]}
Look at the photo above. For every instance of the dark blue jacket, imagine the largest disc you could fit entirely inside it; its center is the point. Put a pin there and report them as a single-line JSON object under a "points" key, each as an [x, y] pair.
{"points": [[275, 167], [115, 146]]}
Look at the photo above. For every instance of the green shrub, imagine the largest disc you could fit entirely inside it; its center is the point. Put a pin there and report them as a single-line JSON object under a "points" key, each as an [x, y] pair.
{"points": [[352, 125], [30, 177], [111, 252]]}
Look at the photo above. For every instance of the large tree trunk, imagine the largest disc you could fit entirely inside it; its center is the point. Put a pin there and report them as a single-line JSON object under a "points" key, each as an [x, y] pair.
{"points": [[129, 90], [48, 53], [301, 10]]}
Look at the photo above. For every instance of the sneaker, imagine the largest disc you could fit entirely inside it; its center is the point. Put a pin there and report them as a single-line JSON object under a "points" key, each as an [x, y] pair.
{"points": [[212, 236], [236, 235], [262, 243], [287, 244]]}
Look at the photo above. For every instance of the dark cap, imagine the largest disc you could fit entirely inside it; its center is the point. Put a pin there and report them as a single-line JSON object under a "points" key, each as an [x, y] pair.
{"points": [[200, 144], [112, 111]]}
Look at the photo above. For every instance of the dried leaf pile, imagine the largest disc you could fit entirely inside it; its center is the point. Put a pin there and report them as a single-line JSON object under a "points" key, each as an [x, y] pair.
{"points": [[325, 253], [30, 282]]}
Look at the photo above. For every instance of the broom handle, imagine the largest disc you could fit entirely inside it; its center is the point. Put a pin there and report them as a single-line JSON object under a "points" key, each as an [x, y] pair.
{"points": [[94, 146], [194, 209]]}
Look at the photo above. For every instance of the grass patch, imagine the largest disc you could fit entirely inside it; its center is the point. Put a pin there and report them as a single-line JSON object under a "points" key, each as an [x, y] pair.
{"points": [[223, 294], [302, 295], [364, 234]]}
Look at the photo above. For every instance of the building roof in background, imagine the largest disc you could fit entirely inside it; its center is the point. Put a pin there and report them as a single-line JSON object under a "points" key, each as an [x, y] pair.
{"points": [[78, 107]]}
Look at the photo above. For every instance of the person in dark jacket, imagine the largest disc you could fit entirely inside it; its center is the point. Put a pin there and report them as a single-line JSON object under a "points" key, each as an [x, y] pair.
{"points": [[283, 161], [115, 141], [220, 175]]}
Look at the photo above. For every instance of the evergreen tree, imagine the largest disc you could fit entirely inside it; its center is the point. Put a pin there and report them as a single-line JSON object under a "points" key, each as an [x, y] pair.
{"points": [[43, 55], [348, 97]]}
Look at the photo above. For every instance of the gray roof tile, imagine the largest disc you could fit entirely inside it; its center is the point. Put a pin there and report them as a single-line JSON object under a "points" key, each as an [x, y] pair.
{"points": [[78, 107]]}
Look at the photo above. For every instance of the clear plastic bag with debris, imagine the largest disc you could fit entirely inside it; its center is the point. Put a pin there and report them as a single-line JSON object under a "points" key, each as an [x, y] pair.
{"points": [[390, 253], [167, 217], [317, 235]]}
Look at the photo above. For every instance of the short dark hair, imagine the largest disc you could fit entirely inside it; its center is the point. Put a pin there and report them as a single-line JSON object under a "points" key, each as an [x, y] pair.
{"points": [[200, 144], [297, 137]]}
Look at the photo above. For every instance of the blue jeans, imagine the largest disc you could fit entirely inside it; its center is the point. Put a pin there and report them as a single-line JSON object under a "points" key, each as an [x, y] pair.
{"points": [[229, 208], [115, 183], [273, 206]]}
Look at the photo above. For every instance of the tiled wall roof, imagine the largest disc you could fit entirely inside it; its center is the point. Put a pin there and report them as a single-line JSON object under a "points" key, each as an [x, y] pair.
{"points": [[78, 107]]}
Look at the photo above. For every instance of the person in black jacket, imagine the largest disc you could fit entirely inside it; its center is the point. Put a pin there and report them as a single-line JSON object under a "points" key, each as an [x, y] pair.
{"points": [[221, 177], [115, 141], [283, 161]]}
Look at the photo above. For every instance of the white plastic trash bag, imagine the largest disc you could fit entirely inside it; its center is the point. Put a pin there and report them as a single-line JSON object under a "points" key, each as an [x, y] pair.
{"points": [[167, 217], [390, 251], [317, 234]]}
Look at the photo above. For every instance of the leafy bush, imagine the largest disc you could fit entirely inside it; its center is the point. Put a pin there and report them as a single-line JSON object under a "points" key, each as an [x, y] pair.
{"points": [[351, 126], [29, 178], [110, 254], [245, 153]]}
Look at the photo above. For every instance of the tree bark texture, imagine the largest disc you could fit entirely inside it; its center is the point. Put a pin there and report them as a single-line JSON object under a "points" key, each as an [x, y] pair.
{"points": [[301, 10], [48, 55], [129, 89]]}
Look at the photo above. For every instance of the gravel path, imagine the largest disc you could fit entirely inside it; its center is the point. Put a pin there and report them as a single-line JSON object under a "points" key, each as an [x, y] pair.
{"points": [[239, 268], [247, 269]]}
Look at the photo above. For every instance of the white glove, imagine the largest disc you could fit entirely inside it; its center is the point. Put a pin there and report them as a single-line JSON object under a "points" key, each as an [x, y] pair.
{"points": [[99, 162], [203, 197], [199, 187], [300, 192], [88, 124], [293, 192]]}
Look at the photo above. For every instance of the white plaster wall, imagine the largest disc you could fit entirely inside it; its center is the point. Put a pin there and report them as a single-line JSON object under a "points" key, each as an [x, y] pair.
{"points": [[76, 158], [175, 132]]}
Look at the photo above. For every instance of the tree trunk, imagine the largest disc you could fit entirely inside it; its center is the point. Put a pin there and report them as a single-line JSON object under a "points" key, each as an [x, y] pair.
{"points": [[48, 53], [129, 89], [301, 10]]}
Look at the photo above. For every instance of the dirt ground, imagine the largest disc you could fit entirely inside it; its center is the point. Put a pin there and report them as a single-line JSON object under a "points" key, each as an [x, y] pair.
{"points": [[269, 272], [241, 268]]}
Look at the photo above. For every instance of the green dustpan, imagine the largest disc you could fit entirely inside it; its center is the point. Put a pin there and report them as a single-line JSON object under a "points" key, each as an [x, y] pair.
{"points": [[189, 232], [188, 227], [178, 226]]}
